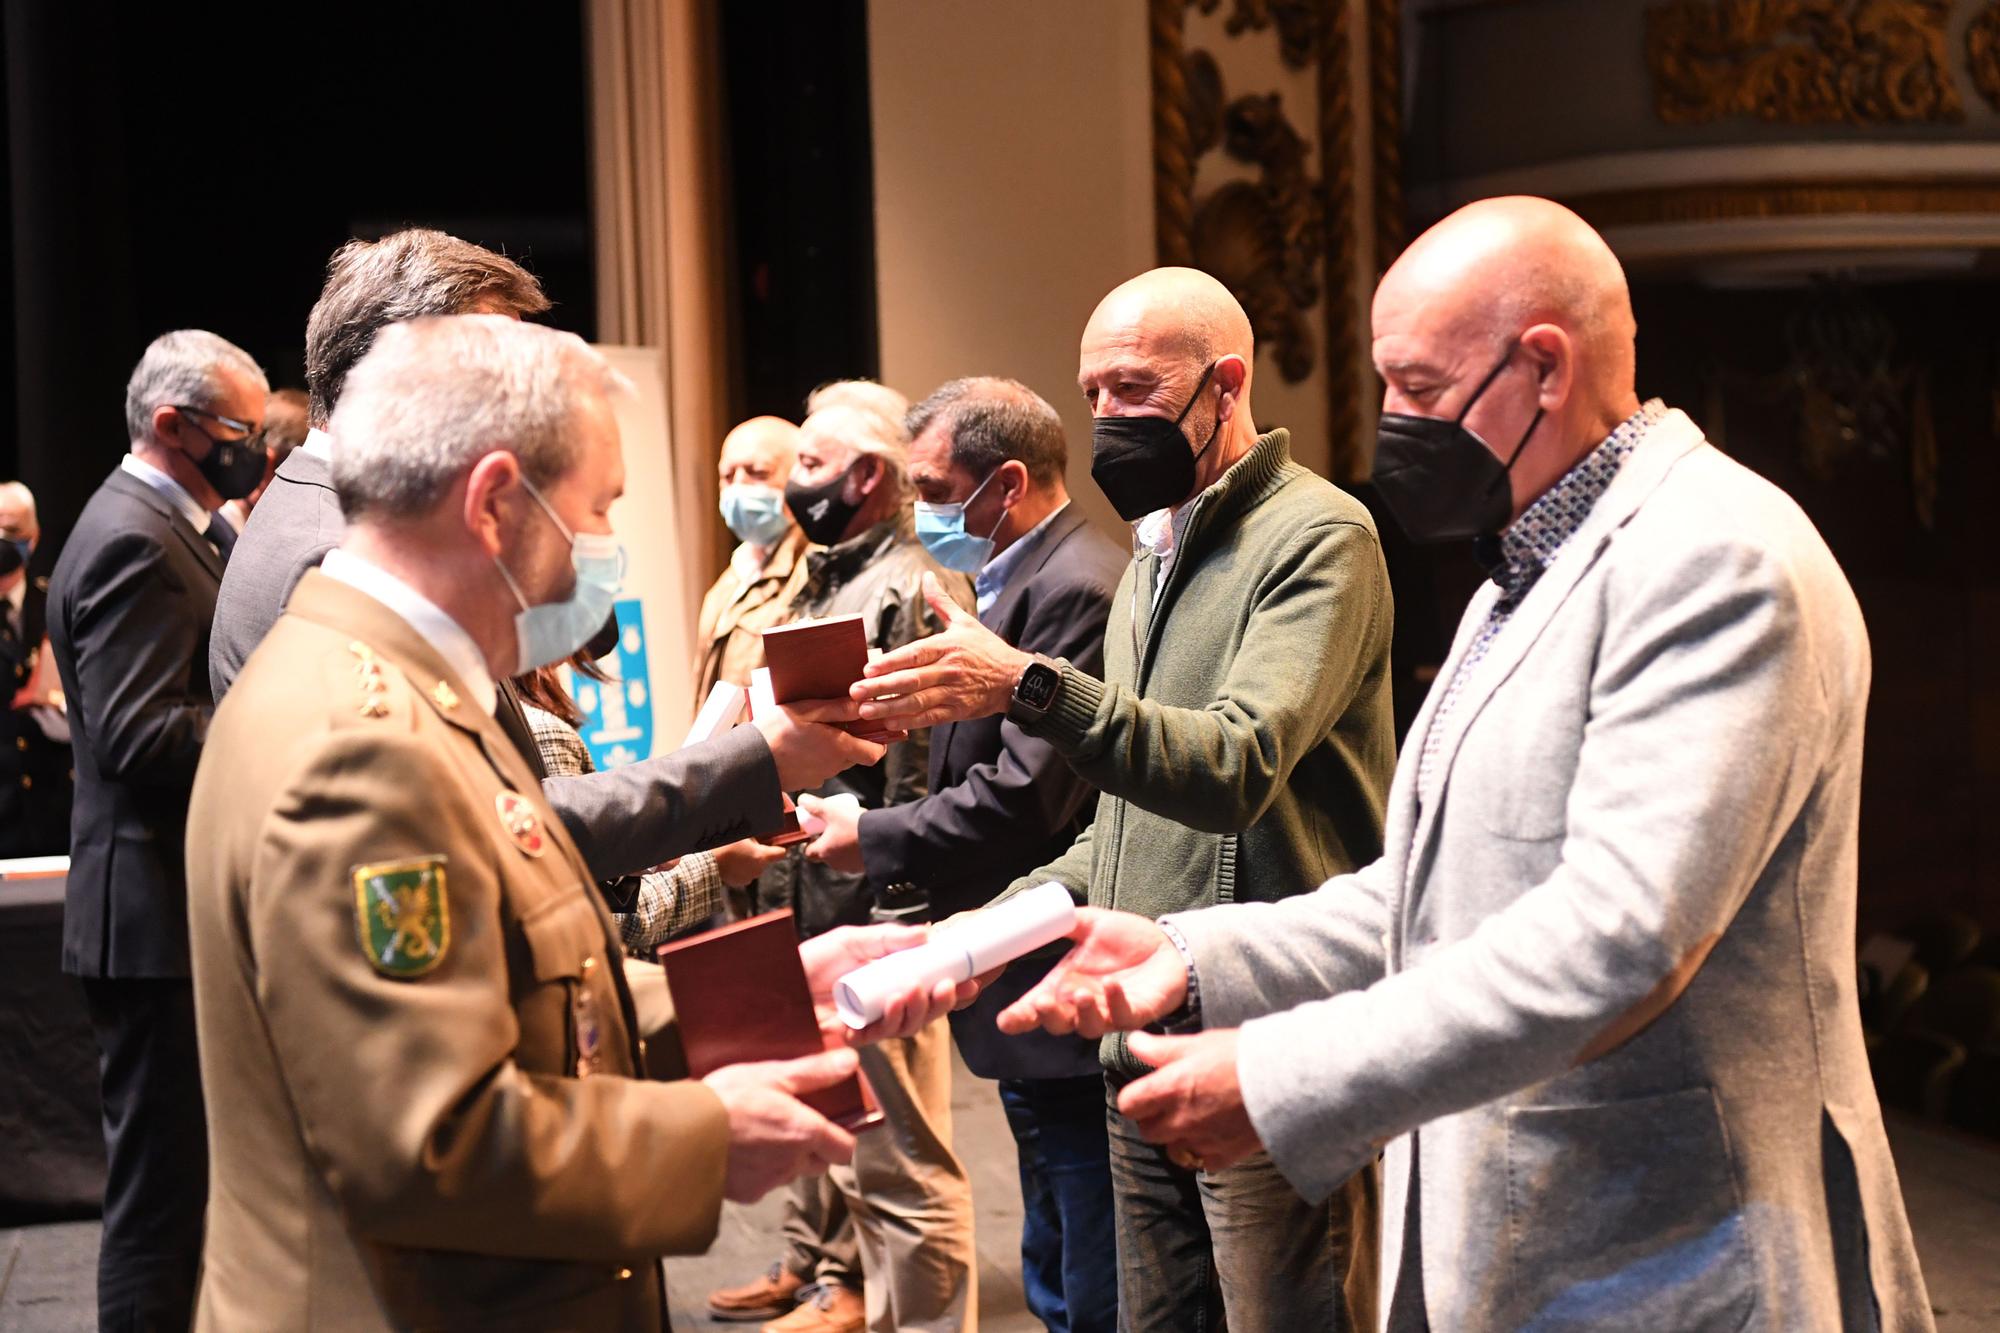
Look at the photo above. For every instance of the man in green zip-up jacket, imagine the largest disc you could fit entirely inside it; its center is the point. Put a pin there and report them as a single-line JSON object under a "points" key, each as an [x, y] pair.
{"points": [[1242, 738]]}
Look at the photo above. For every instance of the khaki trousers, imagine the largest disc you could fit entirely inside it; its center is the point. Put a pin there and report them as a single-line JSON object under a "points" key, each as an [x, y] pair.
{"points": [[908, 1195]]}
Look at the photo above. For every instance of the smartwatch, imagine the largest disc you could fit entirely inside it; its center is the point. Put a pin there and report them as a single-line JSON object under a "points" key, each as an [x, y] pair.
{"points": [[1035, 692]]}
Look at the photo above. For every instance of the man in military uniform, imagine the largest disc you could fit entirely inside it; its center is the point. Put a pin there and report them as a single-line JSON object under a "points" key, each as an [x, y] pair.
{"points": [[407, 989], [34, 735]]}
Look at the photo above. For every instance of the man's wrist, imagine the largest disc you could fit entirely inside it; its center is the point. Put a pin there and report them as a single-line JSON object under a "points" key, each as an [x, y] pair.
{"points": [[1036, 682], [1187, 1018]]}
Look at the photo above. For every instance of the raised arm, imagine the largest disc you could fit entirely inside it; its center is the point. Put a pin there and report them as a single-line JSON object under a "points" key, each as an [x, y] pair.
{"points": [[1214, 768]]}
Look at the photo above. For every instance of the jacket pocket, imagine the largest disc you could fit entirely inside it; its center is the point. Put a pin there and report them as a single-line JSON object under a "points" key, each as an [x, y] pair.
{"points": [[442, 1290], [561, 1006], [1626, 1214]]}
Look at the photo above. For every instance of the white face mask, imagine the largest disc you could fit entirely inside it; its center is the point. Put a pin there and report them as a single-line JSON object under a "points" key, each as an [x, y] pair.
{"points": [[548, 632]]}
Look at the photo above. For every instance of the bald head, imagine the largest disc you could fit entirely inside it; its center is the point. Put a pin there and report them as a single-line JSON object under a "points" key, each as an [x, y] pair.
{"points": [[17, 524], [1521, 296], [760, 452], [1498, 267], [1173, 311], [1174, 342]]}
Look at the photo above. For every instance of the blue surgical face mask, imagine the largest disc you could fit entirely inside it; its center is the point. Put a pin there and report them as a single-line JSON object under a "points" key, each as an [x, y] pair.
{"points": [[756, 514], [941, 528], [546, 633]]}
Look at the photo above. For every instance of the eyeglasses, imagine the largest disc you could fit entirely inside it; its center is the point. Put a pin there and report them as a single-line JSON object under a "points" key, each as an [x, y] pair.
{"points": [[252, 435]]}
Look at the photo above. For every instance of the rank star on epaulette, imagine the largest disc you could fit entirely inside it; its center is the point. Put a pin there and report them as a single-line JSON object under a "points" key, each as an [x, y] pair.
{"points": [[368, 676], [446, 696], [401, 915]]}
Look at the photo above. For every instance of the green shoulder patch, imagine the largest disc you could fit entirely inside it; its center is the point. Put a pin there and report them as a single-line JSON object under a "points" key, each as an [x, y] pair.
{"points": [[401, 915]]}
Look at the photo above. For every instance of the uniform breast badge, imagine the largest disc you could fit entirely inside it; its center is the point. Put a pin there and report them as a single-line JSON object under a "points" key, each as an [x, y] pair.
{"points": [[523, 825], [401, 915]]}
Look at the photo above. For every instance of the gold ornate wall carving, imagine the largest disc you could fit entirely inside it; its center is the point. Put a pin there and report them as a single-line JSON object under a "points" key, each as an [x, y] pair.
{"points": [[1802, 62], [1263, 238], [1982, 51], [1300, 23], [1385, 78], [1287, 241], [1792, 199], [1854, 394]]}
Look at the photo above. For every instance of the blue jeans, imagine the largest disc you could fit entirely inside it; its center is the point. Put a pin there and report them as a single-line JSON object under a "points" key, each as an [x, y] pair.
{"points": [[1067, 1242]]}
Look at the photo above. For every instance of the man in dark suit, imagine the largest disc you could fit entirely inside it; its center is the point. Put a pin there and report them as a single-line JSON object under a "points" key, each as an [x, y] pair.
{"points": [[34, 737], [129, 610], [987, 460], [624, 821]]}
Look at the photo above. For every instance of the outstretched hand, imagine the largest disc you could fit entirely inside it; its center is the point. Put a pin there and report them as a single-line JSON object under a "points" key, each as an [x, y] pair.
{"points": [[836, 823], [809, 746], [829, 957], [963, 671], [1123, 974], [1193, 1104]]}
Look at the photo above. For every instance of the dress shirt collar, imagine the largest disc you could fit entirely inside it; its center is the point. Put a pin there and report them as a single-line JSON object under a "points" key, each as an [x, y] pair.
{"points": [[319, 444], [1160, 532], [175, 493], [992, 578], [17, 596], [430, 621], [1530, 544]]}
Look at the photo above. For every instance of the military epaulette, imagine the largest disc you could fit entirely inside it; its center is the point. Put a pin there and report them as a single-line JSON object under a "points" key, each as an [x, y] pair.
{"points": [[367, 689]]}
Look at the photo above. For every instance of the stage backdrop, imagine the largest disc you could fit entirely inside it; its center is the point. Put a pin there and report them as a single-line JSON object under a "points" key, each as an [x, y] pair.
{"points": [[643, 710]]}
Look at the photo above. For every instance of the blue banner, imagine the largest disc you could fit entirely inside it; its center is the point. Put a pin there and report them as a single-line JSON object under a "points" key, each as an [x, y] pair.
{"points": [[618, 713]]}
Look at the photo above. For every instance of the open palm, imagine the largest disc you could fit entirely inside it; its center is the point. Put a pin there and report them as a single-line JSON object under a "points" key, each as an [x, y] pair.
{"points": [[1123, 973]]}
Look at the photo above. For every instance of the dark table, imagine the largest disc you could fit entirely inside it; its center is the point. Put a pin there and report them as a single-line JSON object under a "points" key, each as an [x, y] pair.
{"points": [[51, 1136]]}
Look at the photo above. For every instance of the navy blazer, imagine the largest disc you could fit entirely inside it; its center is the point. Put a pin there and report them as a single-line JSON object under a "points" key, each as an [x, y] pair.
{"points": [[1001, 802], [129, 609]]}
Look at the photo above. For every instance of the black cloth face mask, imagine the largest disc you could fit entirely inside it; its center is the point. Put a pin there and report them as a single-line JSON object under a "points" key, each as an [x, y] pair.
{"points": [[1147, 463], [821, 512], [233, 467], [1439, 479]]}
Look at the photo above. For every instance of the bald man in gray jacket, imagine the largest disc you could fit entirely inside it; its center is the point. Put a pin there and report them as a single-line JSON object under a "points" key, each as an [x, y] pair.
{"points": [[1597, 995]]}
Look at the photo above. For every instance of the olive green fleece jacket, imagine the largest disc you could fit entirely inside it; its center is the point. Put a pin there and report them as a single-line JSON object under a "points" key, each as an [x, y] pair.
{"points": [[1242, 737]]}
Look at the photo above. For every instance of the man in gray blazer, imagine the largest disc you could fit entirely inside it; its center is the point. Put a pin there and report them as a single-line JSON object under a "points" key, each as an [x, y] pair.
{"points": [[1597, 995], [624, 821]]}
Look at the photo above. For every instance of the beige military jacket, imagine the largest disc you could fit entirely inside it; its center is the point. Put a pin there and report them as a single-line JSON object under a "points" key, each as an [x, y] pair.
{"points": [[729, 634], [423, 1070]]}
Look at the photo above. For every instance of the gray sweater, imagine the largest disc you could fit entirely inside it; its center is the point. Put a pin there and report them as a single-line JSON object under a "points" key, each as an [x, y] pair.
{"points": [[1242, 737]]}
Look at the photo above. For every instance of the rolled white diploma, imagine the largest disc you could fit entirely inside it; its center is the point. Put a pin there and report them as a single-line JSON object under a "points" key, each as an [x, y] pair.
{"points": [[979, 944]]}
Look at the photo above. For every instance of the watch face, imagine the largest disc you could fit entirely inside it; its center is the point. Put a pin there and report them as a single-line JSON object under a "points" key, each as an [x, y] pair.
{"points": [[1038, 685]]}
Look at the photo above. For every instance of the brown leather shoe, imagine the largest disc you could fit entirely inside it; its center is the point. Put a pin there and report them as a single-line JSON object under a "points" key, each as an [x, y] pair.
{"points": [[769, 1296], [830, 1308]]}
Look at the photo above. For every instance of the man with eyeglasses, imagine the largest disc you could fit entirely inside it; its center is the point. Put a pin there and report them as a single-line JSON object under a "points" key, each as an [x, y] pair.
{"points": [[129, 608]]}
